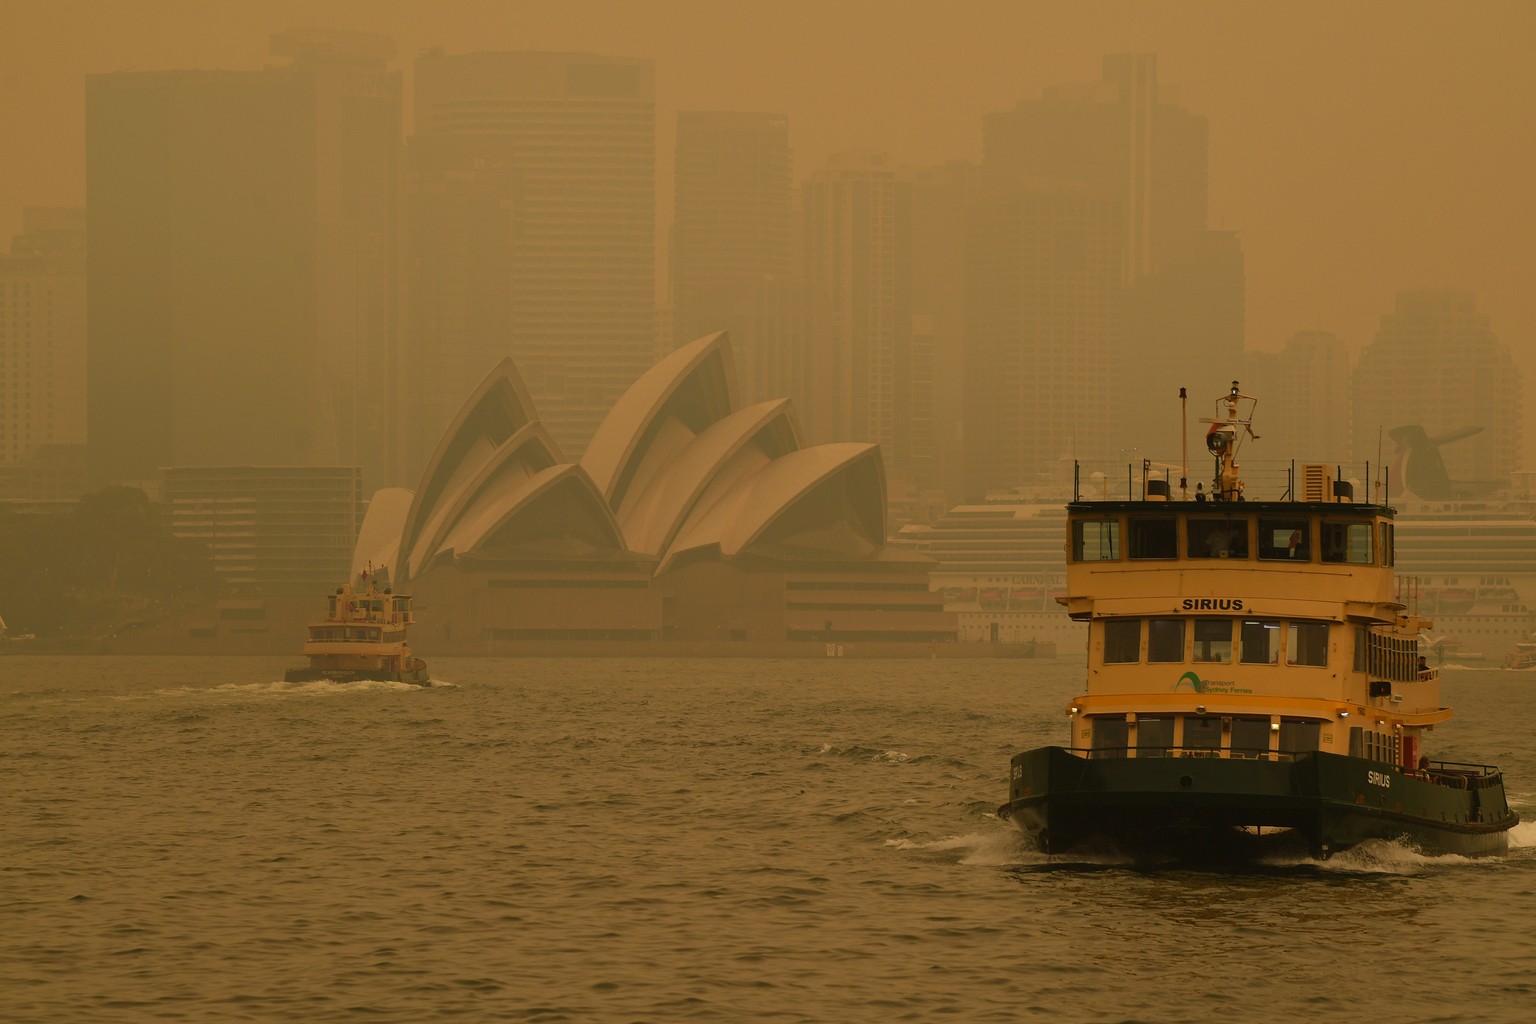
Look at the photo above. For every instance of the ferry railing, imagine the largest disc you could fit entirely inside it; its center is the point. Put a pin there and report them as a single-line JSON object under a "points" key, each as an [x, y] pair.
{"points": [[1263, 480], [1166, 752]]}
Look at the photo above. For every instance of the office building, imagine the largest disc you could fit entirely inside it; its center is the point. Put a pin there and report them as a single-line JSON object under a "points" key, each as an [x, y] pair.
{"points": [[732, 236], [270, 529], [558, 151], [858, 272], [42, 337], [1043, 362], [1436, 364], [243, 270], [1304, 401]]}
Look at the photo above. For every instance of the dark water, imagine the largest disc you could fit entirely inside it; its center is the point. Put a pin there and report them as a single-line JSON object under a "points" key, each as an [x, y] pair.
{"points": [[182, 839]]}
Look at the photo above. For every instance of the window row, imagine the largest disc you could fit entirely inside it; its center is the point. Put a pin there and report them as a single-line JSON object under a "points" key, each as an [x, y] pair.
{"points": [[1257, 641], [1272, 538], [1201, 735]]}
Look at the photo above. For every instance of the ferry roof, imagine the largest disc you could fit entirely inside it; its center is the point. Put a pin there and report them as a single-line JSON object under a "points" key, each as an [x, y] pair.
{"points": [[1323, 508]]}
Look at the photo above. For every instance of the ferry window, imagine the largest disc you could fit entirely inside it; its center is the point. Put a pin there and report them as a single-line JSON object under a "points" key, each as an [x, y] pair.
{"points": [[1202, 732], [1213, 640], [1347, 542], [1388, 544], [1299, 735], [1153, 538], [1095, 540], [1261, 642], [1153, 736], [1110, 736], [1250, 737], [1285, 538], [1165, 640], [1218, 538], [1122, 641], [1307, 643], [1362, 648]]}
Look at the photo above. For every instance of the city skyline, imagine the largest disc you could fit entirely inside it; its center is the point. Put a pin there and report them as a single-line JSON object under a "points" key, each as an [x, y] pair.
{"points": [[1299, 240]]}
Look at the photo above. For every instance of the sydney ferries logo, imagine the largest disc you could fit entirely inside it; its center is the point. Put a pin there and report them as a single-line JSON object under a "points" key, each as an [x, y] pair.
{"points": [[1209, 685]]}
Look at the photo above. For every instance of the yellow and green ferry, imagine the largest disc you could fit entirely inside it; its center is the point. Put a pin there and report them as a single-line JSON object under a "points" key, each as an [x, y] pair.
{"points": [[1254, 679], [363, 636]]}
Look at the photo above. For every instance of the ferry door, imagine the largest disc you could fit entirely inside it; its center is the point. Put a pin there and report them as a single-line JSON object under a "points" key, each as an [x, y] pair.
{"points": [[994, 632], [1410, 751]]}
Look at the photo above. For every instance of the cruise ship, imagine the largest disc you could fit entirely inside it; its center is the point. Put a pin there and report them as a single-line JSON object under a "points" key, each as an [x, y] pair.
{"points": [[1472, 569], [1002, 567]]}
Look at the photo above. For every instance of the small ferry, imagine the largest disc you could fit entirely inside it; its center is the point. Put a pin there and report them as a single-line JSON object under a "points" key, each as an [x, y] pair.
{"points": [[1523, 656], [1254, 679], [362, 636]]}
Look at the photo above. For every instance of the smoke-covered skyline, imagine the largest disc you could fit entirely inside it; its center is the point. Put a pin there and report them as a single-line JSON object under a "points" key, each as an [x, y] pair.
{"points": [[1356, 151]]}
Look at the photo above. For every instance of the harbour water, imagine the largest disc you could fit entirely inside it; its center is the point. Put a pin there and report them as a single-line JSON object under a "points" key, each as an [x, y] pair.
{"points": [[185, 839]]}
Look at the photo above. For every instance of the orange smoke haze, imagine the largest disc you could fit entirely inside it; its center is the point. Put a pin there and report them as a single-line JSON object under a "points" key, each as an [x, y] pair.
{"points": [[1357, 148]]}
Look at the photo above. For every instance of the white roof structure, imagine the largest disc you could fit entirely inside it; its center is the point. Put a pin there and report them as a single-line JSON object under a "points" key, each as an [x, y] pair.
{"points": [[675, 473]]}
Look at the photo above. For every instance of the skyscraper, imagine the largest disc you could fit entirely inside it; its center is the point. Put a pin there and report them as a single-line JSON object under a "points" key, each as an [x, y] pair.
{"points": [[1042, 367], [1304, 400], [242, 273], [943, 202], [732, 233], [858, 260], [1436, 363], [1126, 140], [42, 335], [559, 150]]}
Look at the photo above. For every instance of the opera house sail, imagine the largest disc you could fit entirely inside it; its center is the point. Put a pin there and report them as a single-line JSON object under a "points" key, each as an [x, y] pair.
{"points": [[687, 518]]}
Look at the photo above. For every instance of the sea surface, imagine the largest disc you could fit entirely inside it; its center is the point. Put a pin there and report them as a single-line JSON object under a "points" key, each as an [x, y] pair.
{"points": [[187, 839]]}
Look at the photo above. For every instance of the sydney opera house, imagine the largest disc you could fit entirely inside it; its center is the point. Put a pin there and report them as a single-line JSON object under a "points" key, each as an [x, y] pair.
{"points": [[686, 519]]}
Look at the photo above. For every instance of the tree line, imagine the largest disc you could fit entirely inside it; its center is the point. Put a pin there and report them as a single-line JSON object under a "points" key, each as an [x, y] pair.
{"points": [[108, 561]]}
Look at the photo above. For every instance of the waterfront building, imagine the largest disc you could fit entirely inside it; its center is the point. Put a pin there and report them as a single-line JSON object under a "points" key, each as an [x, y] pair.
{"points": [[271, 530], [690, 516]]}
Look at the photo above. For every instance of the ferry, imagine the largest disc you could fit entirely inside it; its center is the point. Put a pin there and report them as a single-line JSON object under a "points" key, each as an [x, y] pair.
{"points": [[362, 636], [1254, 680], [1523, 656]]}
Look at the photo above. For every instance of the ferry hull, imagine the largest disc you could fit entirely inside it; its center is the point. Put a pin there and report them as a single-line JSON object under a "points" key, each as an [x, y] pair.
{"points": [[1200, 807]]}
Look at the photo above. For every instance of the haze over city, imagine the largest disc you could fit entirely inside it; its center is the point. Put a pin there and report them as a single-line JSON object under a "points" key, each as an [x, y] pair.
{"points": [[1337, 158]]}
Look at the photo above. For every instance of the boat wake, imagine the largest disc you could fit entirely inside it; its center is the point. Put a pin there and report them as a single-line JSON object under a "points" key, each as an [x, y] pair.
{"points": [[1012, 850], [322, 688], [993, 848]]}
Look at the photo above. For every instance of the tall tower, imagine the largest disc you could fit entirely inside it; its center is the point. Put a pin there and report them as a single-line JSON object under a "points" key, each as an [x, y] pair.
{"points": [[242, 273], [42, 335], [1042, 370], [1127, 140], [559, 149], [1436, 363], [732, 233], [943, 202], [1305, 392], [858, 270]]}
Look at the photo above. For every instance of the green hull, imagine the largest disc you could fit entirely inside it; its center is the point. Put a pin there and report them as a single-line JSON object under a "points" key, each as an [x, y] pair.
{"points": [[1221, 807]]}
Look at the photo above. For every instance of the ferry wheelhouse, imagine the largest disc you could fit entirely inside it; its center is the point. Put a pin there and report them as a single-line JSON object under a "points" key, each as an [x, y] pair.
{"points": [[363, 636], [1254, 679]]}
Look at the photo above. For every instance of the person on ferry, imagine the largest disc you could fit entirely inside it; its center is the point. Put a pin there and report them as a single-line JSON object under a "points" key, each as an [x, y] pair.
{"points": [[1423, 667]]}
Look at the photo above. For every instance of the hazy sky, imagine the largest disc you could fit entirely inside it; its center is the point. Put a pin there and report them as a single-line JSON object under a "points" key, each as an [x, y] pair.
{"points": [[1358, 146]]}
